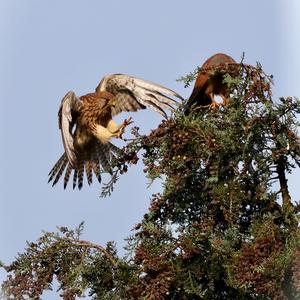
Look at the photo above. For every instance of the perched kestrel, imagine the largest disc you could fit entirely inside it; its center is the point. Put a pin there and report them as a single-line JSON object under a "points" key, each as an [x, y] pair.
{"points": [[87, 126], [207, 84]]}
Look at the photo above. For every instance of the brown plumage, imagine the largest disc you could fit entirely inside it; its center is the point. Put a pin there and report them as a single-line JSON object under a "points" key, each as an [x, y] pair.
{"points": [[209, 83], [87, 126]]}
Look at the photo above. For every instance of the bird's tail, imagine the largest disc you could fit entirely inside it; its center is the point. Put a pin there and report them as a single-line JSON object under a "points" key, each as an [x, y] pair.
{"points": [[94, 162], [197, 100]]}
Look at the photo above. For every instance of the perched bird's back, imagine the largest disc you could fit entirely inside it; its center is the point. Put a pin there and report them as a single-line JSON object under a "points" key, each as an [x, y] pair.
{"points": [[217, 60]]}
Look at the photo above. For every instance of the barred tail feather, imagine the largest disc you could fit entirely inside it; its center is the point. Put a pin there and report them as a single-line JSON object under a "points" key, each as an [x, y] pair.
{"points": [[103, 153], [67, 175], [80, 174], [97, 160], [89, 172], [96, 169], [75, 178]]}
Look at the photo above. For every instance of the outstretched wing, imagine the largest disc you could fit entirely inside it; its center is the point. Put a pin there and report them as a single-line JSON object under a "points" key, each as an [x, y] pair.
{"points": [[132, 93], [68, 110]]}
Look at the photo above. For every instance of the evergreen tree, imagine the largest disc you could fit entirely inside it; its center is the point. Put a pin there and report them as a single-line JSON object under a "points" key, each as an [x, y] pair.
{"points": [[224, 227]]}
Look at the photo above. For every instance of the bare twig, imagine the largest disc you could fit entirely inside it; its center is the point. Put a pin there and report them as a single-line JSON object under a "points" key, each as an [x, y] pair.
{"points": [[87, 244]]}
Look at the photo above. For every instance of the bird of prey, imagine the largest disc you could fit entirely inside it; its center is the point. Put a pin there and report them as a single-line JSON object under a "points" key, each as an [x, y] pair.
{"points": [[209, 83], [87, 126]]}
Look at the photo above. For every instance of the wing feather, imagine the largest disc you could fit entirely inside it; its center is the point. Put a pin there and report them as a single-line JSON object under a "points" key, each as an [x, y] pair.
{"points": [[126, 102], [70, 105], [60, 171], [67, 175], [148, 85], [132, 93], [56, 167]]}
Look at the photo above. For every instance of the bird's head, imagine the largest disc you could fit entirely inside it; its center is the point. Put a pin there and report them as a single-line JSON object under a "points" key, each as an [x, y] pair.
{"points": [[112, 102], [106, 99]]}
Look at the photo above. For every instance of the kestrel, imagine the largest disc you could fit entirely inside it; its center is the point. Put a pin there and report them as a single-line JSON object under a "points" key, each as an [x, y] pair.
{"points": [[87, 126], [209, 84]]}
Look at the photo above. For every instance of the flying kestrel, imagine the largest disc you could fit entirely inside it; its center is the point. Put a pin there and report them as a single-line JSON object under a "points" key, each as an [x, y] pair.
{"points": [[87, 126], [209, 84]]}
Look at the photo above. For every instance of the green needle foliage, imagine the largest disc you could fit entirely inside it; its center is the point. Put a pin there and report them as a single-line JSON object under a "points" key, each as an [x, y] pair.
{"points": [[224, 227]]}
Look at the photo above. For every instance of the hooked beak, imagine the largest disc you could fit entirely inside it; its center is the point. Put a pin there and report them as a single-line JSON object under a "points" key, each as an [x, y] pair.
{"points": [[112, 102]]}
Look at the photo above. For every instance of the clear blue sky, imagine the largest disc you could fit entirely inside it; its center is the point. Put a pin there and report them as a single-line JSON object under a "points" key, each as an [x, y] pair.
{"points": [[50, 47]]}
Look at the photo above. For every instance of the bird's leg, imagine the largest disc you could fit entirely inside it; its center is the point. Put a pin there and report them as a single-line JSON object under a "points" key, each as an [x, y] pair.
{"points": [[123, 125], [127, 122], [103, 134], [213, 104], [118, 130]]}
